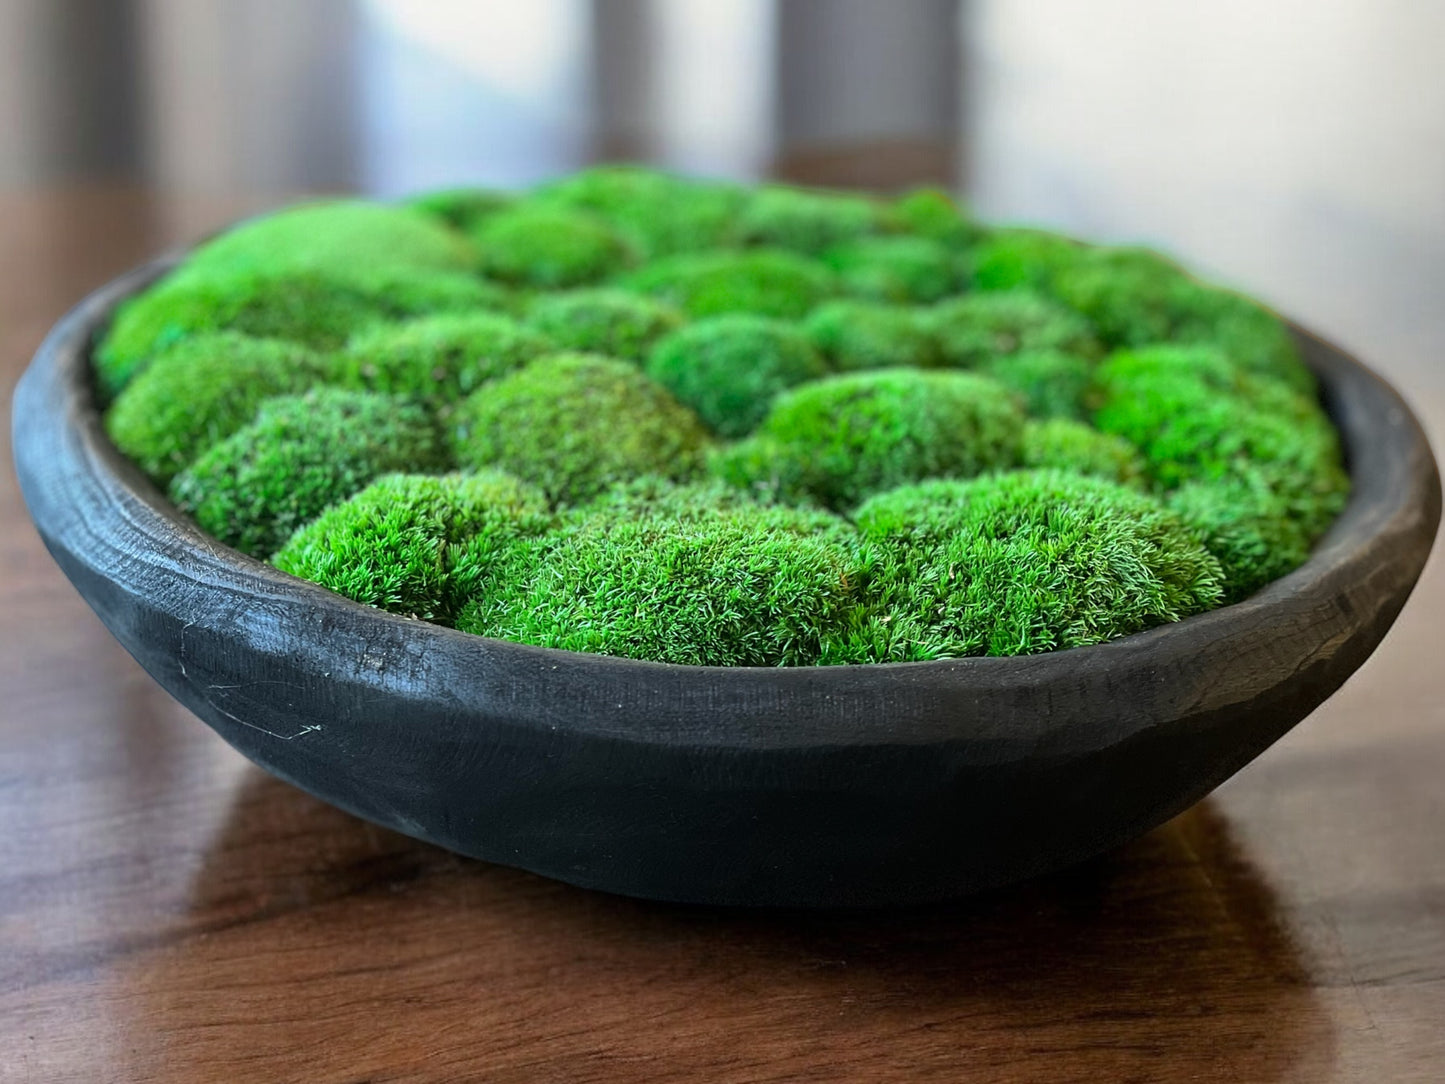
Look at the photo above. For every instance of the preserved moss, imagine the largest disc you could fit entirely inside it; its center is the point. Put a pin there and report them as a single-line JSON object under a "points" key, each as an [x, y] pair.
{"points": [[200, 392], [976, 330], [1062, 444], [549, 248], [764, 282], [933, 213], [612, 322], [1051, 383], [301, 454], [900, 269], [806, 220], [462, 209], [868, 335], [573, 424], [1014, 258]]}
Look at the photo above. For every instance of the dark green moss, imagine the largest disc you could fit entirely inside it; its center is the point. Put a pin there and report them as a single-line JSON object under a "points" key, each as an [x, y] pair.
{"points": [[1250, 335], [726, 583], [806, 220], [317, 309], [301, 454], [438, 359], [200, 392], [730, 368], [867, 335], [1051, 383], [844, 438], [975, 330], [1062, 444], [762, 281], [1023, 562], [933, 213], [574, 424], [612, 322], [901, 269], [462, 209], [398, 543], [549, 248], [1013, 258]]}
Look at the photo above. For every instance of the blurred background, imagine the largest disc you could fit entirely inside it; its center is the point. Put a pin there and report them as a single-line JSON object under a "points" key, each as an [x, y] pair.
{"points": [[1294, 148]]}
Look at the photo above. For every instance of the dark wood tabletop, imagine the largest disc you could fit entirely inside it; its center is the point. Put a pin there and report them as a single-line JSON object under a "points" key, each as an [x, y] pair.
{"points": [[169, 912]]}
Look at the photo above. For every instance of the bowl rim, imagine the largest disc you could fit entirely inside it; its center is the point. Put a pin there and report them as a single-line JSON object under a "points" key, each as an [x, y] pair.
{"points": [[1393, 509]]}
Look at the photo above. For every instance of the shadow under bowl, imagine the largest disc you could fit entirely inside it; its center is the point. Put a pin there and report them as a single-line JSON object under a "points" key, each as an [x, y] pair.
{"points": [[807, 786]]}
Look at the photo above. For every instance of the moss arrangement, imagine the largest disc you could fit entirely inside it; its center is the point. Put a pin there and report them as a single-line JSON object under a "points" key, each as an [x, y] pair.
{"points": [[691, 422]]}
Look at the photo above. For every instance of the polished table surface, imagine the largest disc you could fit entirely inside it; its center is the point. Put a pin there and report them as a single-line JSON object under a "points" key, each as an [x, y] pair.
{"points": [[169, 912]]}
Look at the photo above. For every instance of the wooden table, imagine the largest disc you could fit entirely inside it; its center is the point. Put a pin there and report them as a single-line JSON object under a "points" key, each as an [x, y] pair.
{"points": [[168, 912]]}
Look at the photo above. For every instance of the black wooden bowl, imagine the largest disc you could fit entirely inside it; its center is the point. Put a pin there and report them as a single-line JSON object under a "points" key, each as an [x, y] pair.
{"points": [[811, 786]]}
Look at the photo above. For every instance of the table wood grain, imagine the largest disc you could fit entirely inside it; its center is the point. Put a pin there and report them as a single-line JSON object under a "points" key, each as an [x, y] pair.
{"points": [[170, 913]]}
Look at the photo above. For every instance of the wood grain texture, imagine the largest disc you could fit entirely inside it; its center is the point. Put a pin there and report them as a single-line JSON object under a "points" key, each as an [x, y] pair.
{"points": [[168, 912]]}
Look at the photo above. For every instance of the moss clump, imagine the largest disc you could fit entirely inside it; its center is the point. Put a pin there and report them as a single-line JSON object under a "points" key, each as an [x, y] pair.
{"points": [[1073, 446], [844, 438], [1023, 562], [976, 330], [730, 368], [574, 424], [612, 322], [340, 237], [1014, 258], [901, 269], [301, 454], [763, 281], [868, 335], [658, 213], [439, 359], [202, 391], [550, 248], [1052, 384], [398, 543], [315, 308], [933, 213], [1250, 335], [462, 209], [726, 583], [806, 220]]}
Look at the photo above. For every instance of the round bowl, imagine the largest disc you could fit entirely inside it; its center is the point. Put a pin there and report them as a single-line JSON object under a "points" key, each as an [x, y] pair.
{"points": [[808, 786]]}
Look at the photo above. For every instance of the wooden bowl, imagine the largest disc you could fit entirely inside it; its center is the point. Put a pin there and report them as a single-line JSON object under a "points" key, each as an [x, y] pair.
{"points": [[809, 786]]}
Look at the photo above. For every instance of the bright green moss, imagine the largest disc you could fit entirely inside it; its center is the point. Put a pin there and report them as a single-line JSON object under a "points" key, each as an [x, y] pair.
{"points": [[612, 322], [806, 220], [1128, 294], [658, 213], [765, 282], [975, 330], [868, 335], [1051, 383], [1011, 258], [1250, 335], [730, 368], [1063, 444], [342, 237], [933, 213], [397, 544], [1023, 562], [725, 584], [550, 248], [301, 454], [902, 269], [574, 424], [844, 438], [462, 209], [202, 391], [317, 309], [438, 359]]}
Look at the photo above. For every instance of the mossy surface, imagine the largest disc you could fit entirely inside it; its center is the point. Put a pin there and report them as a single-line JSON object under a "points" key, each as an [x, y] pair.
{"points": [[976, 330], [765, 282], [730, 368], [1051, 383], [415, 544], [844, 438], [438, 359], [462, 209], [603, 321], [1015, 258], [200, 392], [1023, 562], [549, 248], [301, 454], [870, 335], [1064, 444], [910, 270], [573, 424], [806, 220], [933, 213]]}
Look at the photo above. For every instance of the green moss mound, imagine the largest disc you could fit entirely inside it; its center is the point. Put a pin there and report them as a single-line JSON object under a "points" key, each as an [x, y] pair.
{"points": [[202, 391], [462, 209], [1023, 562], [765, 282], [976, 330], [806, 220], [439, 359], [727, 583], [573, 424], [901, 269], [730, 368], [602, 321], [839, 440], [1063, 444], [869, 335], [301, 454], [413, 543], [549, 248], [1016, 258], [933, 213], [1051, 383]]}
